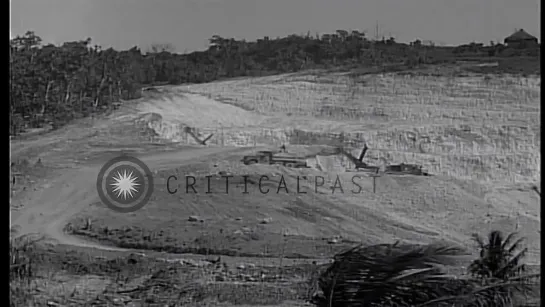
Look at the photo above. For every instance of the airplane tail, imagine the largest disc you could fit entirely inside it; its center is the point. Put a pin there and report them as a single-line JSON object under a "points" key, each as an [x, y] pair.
{"points": [[207, 138], [362, 154], [192, 133]]}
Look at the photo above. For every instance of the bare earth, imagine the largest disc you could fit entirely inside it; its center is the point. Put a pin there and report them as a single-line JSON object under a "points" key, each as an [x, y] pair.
{"points": [[480, 138]]}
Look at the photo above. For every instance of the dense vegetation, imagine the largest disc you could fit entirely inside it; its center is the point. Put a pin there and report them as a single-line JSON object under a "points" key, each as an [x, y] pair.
{"points": [[54, 84], [377, 275], [408, 275]]}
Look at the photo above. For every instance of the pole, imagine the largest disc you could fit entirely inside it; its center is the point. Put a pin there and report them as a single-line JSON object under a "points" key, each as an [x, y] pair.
{"points": [[374, 182]]}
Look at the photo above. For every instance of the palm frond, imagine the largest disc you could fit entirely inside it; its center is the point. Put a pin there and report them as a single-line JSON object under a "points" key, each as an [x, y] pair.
{"points": [[512, 267], [498, 293], [388, 275], [411, 275], [498, 258], [495, 239], [414, 274], [514, 246], [507, 240]]}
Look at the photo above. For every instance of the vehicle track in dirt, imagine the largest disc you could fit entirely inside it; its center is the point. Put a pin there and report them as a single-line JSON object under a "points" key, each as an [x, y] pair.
{"points": [[49, 209]]}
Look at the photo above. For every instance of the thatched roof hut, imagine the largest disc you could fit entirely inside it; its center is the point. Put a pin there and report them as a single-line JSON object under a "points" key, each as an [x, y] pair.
{"points": [[519, 37]]}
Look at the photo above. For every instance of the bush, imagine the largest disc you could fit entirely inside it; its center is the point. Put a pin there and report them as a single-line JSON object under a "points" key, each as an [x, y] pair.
{"points": [[23, 260], [411, 275]]}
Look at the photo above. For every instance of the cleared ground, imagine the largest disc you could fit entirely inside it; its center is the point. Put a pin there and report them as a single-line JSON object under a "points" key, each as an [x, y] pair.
{"points": [[479, 136]]}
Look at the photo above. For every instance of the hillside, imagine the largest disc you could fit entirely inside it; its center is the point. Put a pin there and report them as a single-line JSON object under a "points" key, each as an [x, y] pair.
{"points": [[474, 127]]}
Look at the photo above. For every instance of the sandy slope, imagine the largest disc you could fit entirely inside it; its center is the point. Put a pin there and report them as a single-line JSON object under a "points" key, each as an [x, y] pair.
{"points": [[417, 209], [462, 127]]}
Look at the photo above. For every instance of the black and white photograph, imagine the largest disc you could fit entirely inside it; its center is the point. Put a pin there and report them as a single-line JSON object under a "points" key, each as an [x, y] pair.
{"points": [[252, 153]]}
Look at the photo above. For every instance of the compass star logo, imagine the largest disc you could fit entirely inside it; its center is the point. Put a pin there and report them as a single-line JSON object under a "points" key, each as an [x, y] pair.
{"points": [[125, 184]]}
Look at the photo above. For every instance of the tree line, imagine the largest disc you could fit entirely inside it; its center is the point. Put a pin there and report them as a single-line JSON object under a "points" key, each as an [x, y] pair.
{"points": [[55, 84]]}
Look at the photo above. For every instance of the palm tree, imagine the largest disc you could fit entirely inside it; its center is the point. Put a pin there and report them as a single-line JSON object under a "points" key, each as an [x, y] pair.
{"points": [[390, 275], [500, 266], [499, 257], [411, 275]]}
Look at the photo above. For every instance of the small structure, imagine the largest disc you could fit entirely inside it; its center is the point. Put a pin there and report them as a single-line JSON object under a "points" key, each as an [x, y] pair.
{"points": [[520, 39]]}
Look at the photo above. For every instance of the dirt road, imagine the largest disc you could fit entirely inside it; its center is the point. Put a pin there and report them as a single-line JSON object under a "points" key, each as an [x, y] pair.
{"points": [[49, 209]]}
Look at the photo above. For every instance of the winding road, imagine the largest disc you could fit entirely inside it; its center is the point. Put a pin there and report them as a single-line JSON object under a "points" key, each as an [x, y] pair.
{"points": [[49, 209]]}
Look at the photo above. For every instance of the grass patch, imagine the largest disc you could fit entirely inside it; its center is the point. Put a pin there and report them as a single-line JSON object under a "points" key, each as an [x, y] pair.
{"points": [[263, 245]]}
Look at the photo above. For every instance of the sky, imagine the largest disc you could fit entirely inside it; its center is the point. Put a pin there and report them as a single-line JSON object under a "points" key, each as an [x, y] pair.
{"points": [[188, 24]]}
